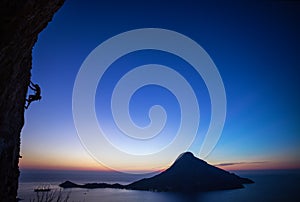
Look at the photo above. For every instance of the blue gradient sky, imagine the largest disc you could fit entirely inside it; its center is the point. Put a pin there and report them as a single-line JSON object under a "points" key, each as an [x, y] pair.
{"points": [[254, 45]]}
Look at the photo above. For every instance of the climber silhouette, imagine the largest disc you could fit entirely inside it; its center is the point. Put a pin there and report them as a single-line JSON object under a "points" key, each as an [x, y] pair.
{"points": [[36, 96]]}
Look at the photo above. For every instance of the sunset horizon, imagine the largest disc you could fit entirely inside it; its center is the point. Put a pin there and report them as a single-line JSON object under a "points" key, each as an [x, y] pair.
{"points": [[93, 165], [182, 99]]}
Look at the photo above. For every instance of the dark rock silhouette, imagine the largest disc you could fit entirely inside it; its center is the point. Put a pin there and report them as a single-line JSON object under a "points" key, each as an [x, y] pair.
{"points": [[68, 184], [20, 24], [190, 174], [187, 174]]}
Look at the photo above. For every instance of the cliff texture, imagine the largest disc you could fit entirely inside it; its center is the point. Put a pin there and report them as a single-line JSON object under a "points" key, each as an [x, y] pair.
{"points": [[20, 24]]}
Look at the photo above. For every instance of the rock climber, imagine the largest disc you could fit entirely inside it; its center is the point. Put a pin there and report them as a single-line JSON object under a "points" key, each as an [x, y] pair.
{"points": [[37, 96]]}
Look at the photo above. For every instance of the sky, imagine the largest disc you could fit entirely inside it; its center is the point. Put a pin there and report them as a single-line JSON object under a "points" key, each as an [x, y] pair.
{"points": [[255, 47]]}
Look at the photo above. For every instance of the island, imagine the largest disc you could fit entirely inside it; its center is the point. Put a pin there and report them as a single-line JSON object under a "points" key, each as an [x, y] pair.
{"points": [[186, 174]]}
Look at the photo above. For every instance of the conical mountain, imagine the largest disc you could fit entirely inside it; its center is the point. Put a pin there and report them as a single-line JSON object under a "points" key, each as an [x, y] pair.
{"points": [[190, 174]]}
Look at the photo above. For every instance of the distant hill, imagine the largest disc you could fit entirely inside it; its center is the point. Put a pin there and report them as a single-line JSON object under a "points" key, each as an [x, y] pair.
{"points": [[187, 174], [68, 184], [190, 174]]}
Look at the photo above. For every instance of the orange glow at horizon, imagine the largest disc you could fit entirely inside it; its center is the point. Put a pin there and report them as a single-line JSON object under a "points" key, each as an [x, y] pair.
{"points": [[54, 163], [74, 163], [61, 164]]}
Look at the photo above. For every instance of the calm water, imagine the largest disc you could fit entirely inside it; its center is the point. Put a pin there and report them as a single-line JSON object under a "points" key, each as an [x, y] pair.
{"points": [[269, 186]]}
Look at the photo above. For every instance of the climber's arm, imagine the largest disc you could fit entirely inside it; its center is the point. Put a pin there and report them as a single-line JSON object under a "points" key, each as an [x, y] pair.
{"points": [[31, 86]]}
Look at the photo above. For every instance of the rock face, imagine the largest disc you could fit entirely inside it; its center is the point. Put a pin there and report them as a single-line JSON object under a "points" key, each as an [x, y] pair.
{"points": [[190, 174], [20, 24]]}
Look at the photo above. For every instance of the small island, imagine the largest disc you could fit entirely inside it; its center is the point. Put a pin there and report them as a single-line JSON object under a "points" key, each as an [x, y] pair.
{"points": [[186, 174]]}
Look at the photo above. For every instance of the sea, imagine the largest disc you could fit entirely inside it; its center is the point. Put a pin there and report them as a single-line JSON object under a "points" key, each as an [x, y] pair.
{"points": [[269, 186]]}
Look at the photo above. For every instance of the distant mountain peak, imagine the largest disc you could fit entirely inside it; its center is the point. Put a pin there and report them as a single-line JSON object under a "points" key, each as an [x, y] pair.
{"points": [[185, 155], [189, 173], [187, 158]]}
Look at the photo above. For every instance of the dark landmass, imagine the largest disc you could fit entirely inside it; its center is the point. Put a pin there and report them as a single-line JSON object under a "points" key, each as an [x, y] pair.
{"points": [[68, 184], [190, 174], [187, 174]]}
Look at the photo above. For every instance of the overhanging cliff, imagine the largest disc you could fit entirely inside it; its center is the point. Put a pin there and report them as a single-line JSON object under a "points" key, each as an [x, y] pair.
{"points": [[20, 24]]}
